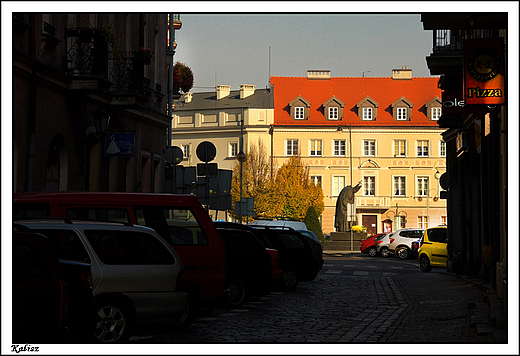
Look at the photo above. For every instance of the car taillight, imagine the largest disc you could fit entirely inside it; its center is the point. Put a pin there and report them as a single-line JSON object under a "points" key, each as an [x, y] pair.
{"points": [[392, 240], [380, 241], [181, 281]]}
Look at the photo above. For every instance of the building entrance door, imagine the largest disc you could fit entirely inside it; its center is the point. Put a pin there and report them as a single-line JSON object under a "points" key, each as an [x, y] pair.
{"points": [[370, 222]]}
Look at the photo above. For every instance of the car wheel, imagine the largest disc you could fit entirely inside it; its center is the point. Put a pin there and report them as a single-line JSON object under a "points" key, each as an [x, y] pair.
{"points": [[289, 280], [234, 294], [384, 252], [372, 251], [403, 253], [113, 323], [187, 318], [424, 262]]}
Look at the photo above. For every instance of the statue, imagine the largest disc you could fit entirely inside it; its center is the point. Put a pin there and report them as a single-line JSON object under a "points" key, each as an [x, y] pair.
{"points": [[346, 196]]}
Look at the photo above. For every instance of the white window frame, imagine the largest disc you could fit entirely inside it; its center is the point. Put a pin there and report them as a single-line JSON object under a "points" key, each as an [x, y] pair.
{"points": [[401, 190], [186, 151], [338, 183], [314, 151], [367, 114], [398, 147], [294, 146], [333, 113], [233, 149], [299, 112], [316, 180], [422, 222], [401, 114], [336, 146], [442, 148], [422, 186], [369, 186], [436, 113], [369, 148], [423, 148]]}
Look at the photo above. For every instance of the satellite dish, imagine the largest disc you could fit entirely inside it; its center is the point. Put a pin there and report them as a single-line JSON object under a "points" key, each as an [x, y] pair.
{"points": [[206, 151]]}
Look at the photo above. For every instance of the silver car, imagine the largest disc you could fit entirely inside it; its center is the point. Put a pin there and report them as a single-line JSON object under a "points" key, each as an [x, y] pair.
{"points": [[382, 245], [135, 273]]}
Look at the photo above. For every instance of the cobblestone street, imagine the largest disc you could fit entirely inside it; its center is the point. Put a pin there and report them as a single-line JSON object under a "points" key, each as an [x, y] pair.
{"points": [[349, 307]]}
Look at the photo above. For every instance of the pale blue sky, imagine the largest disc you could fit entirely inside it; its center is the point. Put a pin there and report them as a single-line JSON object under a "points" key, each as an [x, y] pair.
{"points": [[236, 46]]}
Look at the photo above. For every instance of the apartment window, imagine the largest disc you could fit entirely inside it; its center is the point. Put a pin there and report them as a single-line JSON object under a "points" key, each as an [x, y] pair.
{"points": [[185, 151], [422, 148], [400, 148], [422, 222], [401, 114], [444, 220], [233, 149], [338, 183], [442, 149], [340, 147], [333, 113], [422, 186], [369, 186], [299, 113], [291, 148], [436, 113], [316, 180], [369, 148], [399, 186], [315, 148], [367, 114]]}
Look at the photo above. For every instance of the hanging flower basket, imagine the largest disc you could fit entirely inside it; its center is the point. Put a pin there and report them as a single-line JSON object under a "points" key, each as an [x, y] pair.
{"points": [[182, 78], [144, 55]]}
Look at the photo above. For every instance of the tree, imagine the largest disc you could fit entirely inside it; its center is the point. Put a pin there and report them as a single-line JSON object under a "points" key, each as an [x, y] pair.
{"points": [[182, 78], [293, 184], [313, 223]]}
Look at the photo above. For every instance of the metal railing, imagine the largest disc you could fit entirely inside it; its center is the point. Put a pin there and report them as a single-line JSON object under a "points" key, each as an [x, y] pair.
{"points": [[448, 40]]}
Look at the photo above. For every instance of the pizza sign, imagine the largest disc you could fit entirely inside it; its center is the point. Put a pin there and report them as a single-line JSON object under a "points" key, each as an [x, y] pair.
{"points": [[484, 78]]}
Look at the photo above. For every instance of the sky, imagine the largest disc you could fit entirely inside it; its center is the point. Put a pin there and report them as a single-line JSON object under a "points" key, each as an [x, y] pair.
{"points": [[235, 49]]}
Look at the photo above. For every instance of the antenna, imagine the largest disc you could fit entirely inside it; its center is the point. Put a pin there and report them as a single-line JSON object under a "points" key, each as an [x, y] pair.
{"points": [[215, 77], [269, 79]]}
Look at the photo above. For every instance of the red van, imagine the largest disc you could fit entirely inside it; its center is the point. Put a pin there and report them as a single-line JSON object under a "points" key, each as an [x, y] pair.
{"points": [[180, 219]]}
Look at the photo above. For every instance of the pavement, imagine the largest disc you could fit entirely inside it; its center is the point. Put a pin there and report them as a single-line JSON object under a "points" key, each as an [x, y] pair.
{"points": [[489, 315]]}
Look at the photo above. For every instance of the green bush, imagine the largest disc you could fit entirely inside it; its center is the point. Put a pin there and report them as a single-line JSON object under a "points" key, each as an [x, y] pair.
{"points": [[313, 223]]}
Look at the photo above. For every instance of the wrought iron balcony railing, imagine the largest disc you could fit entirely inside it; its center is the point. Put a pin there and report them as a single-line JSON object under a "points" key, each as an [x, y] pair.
{"points": [[90, 55], [447, 40]]}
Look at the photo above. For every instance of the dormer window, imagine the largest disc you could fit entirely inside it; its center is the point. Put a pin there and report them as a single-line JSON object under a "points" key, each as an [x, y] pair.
{"points": [[299, 108], [402, 109], [367, 109], [434, 109], [333, 109], [333, 113]]}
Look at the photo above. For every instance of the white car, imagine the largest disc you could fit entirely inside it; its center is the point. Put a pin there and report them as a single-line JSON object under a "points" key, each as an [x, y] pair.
{"points": [[382, 245], [135, 272], [401, 242]]}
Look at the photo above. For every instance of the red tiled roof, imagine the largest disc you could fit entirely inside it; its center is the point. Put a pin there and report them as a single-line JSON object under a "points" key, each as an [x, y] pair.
{"points": [[351, 90]]}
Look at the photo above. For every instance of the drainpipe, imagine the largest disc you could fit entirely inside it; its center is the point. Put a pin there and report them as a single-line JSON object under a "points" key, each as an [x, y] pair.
{"points": [[171, 50]]}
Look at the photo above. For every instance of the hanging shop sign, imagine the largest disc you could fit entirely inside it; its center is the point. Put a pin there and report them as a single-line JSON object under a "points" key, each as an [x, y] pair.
{"points": [[119, 144], [484, 72]]}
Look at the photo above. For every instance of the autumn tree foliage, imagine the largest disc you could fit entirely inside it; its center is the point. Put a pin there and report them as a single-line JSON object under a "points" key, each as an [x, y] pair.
{"points": [[286, 195]]}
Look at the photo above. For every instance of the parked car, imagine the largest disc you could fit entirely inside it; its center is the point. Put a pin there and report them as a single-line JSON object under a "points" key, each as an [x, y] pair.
{"points": [[433, 248], [179, 219], [382, 245], [40, 292], [276, 272], [248, 267], [310, 234], [82, 309], [296, 225], [296, 255], [401, 242], [136, 274], [369, 245]]}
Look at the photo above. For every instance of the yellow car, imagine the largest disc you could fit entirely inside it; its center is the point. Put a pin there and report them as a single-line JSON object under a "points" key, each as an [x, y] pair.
{"points": [[433, 248]]}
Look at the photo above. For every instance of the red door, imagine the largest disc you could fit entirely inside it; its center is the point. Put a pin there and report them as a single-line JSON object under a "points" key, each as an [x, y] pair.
{"points": [[370, 222]]}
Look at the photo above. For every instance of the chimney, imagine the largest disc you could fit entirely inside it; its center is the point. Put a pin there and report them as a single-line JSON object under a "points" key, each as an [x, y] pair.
{"points": [[403, 73], [246, 90], [188, 97], [318, 74], [223, 91]]}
